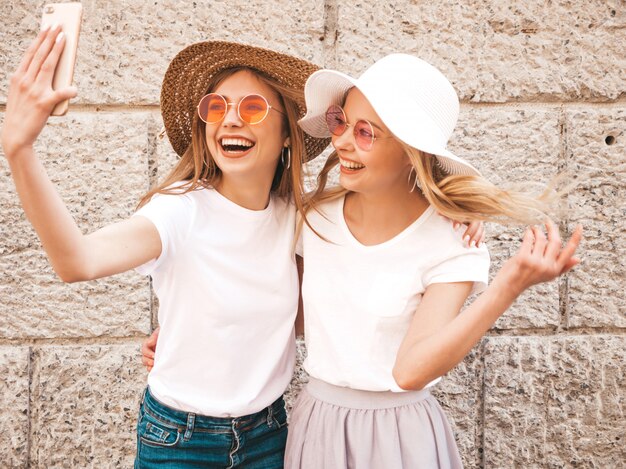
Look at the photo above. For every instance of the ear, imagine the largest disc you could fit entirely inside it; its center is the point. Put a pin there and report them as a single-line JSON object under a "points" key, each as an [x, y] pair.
{"points": [[287, 142]]}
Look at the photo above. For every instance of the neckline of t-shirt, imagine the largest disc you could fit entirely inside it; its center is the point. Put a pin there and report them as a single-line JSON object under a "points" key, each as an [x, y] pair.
{"points": [[397, 238], [237, 209]]}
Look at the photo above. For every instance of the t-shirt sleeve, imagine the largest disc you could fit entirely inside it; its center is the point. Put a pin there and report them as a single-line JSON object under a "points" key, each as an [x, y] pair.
{"points": [[461, 264], [172, 215]]}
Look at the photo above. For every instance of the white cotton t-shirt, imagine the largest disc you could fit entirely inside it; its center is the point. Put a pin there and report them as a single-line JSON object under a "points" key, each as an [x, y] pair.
{"points": [[359, 300], [227, 285]]}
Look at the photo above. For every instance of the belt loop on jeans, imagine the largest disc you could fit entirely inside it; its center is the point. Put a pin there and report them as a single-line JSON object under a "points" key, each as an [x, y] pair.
{"points": [[270, 414], [143, 396], [191, 418]]}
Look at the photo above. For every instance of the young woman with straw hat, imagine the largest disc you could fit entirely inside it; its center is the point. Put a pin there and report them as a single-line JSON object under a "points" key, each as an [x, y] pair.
{"points": [[216, 237], [386, 274]]}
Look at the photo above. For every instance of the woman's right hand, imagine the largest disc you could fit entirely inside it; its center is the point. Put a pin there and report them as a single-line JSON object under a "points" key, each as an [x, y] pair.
{"points": [[147, 349], [31, 98]]}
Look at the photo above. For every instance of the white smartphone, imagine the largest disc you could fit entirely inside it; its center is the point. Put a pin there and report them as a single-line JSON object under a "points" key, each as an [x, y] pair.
{"points": [[69, 16]]}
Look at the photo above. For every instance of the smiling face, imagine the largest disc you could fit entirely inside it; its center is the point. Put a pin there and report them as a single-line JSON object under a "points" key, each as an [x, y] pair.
{"points": [[244, 151], [384, 167]]}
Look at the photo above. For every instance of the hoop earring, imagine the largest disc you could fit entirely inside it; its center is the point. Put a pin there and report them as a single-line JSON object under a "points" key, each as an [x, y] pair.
{"points": [[415, 184], [282, 157]]}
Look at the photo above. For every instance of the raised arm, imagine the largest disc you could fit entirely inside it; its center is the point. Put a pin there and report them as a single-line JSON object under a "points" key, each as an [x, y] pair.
{"points": [[439, 338], [74, 256]]}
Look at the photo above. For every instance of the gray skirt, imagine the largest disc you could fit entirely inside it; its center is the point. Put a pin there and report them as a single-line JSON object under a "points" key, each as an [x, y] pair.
{"points": [[333, 427]]}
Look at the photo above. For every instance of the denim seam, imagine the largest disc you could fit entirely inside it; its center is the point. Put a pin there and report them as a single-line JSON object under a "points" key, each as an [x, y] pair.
{"points": [[158, 443], [253, 425], [235, 446], [270, 416], [162, 420], [182, 428], [278, 424], [191, 418]]}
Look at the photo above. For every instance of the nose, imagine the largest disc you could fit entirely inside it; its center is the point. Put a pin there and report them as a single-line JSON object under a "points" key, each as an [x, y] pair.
{"points": [[231, 118], [345, 141]]}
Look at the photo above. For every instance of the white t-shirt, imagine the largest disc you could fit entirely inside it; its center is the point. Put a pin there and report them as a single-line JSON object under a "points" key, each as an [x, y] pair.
{"points": [[227, 285], [359, 300]]}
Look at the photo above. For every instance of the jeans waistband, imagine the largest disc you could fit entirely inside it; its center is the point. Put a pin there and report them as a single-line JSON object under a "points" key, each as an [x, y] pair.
{"points": [[184, 419]]}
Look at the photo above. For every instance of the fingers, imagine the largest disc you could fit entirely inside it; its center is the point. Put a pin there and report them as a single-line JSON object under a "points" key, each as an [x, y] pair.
{"points": [[539, 247], [148, 346], [528, 241], [147, 362], [147, 350], [570, 264], [50, 63], [41, 53], [554, 240], [565, 257], [479, 236], [30, 52], [483, 233], [65, 93], [473, 233]]}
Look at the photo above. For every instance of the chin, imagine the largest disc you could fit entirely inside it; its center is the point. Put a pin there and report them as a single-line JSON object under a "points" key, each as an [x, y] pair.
{"points": [[347, 183]]}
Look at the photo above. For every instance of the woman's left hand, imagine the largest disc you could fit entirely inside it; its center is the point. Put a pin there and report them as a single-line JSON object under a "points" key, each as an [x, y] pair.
{"points": [[540, 258]]}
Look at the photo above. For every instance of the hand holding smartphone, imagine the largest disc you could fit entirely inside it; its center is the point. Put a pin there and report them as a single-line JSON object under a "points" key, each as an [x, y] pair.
{"points": [[68, 16]]}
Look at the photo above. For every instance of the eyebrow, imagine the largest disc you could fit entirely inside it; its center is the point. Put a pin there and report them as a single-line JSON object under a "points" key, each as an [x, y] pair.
{"points": [[374, 125], [363, 119]]}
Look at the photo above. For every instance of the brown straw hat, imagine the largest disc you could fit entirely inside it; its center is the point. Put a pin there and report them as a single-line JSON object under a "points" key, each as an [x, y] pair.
{"points": [[188, 75]]}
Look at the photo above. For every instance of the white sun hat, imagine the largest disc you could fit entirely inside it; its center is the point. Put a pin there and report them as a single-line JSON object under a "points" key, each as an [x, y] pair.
{"points": [[415, 101]]}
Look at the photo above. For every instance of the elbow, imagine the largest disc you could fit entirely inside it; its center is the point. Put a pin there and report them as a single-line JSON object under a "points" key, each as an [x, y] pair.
{"points": [[70, 277], [72, 274], [407, 380]]}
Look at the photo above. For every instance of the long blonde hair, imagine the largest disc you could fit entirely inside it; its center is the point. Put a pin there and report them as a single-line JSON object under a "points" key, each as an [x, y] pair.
{"points": [[460, 198], [468, 198], [196, 167]]}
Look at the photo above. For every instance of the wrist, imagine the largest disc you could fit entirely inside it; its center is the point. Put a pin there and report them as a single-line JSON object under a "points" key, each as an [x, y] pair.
{"points": [[15, 153], [507, 285]]}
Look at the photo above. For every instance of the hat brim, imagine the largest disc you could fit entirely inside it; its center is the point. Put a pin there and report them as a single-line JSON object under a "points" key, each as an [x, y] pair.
{"points": [[327, 87], [190, 72]]}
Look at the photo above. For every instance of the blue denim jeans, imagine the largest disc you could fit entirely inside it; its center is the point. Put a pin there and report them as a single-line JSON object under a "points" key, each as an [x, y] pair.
{"points": [[170, 438]]}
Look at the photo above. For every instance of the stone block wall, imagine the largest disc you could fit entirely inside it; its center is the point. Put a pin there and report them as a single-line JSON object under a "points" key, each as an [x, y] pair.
{"points": [[543, 90]]}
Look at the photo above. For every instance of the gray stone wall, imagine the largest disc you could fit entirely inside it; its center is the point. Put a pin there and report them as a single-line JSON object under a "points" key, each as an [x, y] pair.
{"points": [[543, 89]]}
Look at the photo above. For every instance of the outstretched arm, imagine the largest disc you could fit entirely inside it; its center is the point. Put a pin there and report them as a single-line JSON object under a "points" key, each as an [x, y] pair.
{"points": [[439, 338], [73, 256]]}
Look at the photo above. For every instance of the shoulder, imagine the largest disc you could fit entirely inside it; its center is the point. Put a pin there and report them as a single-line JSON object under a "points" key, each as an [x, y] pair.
{"points": [[444, 242], [283, 207], [176, 198], [327, 211], [440, 230]]}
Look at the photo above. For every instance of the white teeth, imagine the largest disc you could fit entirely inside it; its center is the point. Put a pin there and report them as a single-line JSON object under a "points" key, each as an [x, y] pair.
{"points": [[237, 141], [350, 164]]}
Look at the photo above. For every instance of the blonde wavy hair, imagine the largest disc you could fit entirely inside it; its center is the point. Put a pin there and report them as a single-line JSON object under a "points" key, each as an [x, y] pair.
{"points": [[460, 198], [196, 167]]}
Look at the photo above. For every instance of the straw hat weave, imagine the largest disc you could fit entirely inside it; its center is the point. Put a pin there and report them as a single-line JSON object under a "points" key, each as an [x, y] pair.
{"points": [[188, 76]]}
